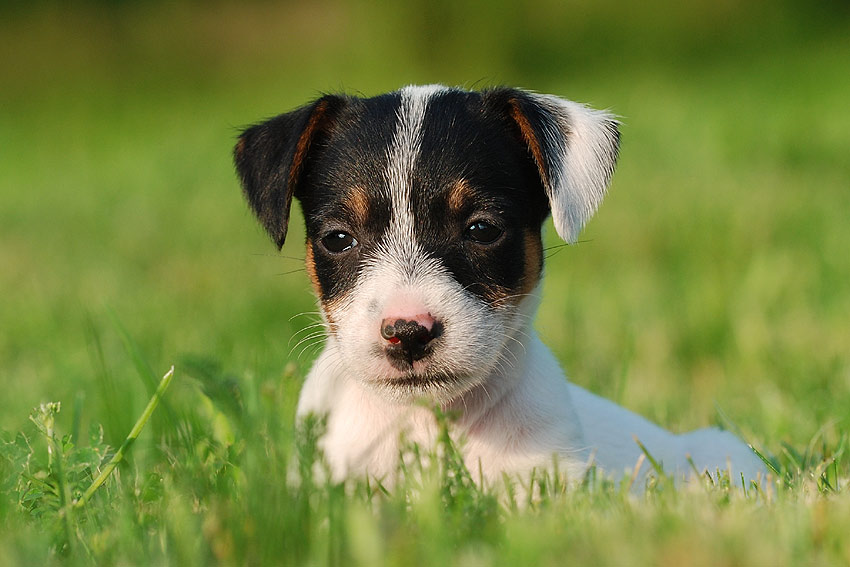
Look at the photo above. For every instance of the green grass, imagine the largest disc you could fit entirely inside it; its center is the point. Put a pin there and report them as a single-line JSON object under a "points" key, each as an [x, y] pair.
{"points": [[711, 288]]}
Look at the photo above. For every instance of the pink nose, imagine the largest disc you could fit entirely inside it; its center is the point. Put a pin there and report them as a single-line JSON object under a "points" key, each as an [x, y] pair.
{"points": [[408, 336]]}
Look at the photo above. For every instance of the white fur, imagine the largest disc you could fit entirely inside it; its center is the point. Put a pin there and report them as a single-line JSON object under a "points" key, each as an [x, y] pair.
{"points": [[518, 418], [580, 145], [516, 410], [403, 152]]}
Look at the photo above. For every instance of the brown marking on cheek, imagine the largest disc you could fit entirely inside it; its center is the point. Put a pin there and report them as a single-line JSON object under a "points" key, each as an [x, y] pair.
{"points": [[499, 296], [533, 262], [502, 296], [310, 263], [530, 139], [329, 307], [459, 194]]}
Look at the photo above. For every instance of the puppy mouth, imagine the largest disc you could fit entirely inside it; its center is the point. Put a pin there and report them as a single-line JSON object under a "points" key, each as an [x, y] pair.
{"points": [[411, 362], [422, 380], [408, 361], [404, 371]]}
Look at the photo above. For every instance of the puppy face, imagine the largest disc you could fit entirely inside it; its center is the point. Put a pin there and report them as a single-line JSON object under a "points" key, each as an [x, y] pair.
{"points": [[423, 211]]}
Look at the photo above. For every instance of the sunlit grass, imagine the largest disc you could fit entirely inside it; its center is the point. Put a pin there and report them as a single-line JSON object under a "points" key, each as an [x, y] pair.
{"points": [[711, 288]]}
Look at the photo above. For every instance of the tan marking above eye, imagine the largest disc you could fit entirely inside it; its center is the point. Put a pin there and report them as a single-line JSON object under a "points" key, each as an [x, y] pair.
{"points": [[357, 202], [459, 194]]}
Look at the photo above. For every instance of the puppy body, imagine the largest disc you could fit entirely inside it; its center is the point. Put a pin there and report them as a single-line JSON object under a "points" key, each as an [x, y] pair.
{"points": [[515, 429], [423, 210]]}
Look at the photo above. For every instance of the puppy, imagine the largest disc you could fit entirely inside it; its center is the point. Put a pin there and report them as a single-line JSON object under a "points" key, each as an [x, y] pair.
{"points": [[423, 210]]}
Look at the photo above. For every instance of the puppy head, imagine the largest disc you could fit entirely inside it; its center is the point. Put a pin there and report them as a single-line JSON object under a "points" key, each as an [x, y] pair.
{"points": [[423, 210]]}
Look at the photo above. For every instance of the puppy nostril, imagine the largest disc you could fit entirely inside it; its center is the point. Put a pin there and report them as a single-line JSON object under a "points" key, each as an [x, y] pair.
{"points": [[388, 332]]}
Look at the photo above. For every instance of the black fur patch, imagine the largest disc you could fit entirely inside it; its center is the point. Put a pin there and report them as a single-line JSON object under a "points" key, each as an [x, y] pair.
{"points": [[467, 137], [464, 138]]}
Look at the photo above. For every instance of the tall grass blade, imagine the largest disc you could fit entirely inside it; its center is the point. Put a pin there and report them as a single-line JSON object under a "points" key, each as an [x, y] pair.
{"points": [[134, 433]]}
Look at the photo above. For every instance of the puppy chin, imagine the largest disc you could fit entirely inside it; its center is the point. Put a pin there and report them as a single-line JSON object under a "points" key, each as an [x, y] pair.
{"points": [[425, 381]]}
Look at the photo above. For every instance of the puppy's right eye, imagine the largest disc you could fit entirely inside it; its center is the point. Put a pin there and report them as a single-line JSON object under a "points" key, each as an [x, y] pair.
{"points": [[483, 232], [338, 241]]}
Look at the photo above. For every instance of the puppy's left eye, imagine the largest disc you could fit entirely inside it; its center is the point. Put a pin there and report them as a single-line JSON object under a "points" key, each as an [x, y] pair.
{"points": [[339, 241], [483, 232]]}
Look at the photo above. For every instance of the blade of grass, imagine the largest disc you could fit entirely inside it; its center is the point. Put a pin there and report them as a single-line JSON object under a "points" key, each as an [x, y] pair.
{"points": [[767, 462], [655, 464], [67, 510], [635, 471], [134, 433]]}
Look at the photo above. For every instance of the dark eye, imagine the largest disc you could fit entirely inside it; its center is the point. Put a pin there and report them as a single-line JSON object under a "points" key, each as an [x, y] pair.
{"points": [[483, 232], [338, 241]]}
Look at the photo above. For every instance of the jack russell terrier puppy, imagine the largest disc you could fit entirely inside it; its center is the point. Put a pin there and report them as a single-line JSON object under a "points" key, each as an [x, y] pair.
{"points": [[423, 210]]}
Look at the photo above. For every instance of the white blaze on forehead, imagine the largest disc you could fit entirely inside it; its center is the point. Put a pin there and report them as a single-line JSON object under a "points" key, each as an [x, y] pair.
{"points": [[399, 279], [401, 157]]}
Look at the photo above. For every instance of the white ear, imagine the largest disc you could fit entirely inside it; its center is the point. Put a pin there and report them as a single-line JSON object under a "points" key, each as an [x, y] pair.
{"points": [[575, 148]]}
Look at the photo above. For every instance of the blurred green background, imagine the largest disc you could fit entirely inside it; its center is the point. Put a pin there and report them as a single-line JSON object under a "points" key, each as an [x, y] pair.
{"points": [[715, 274]]}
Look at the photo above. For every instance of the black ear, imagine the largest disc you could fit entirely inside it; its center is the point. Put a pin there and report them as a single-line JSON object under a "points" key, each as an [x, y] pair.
{"points": [[270, 157], [574, 147]]}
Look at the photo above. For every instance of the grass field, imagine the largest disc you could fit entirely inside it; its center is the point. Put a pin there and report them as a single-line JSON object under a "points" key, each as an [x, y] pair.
{"points": [[711, 288]]}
